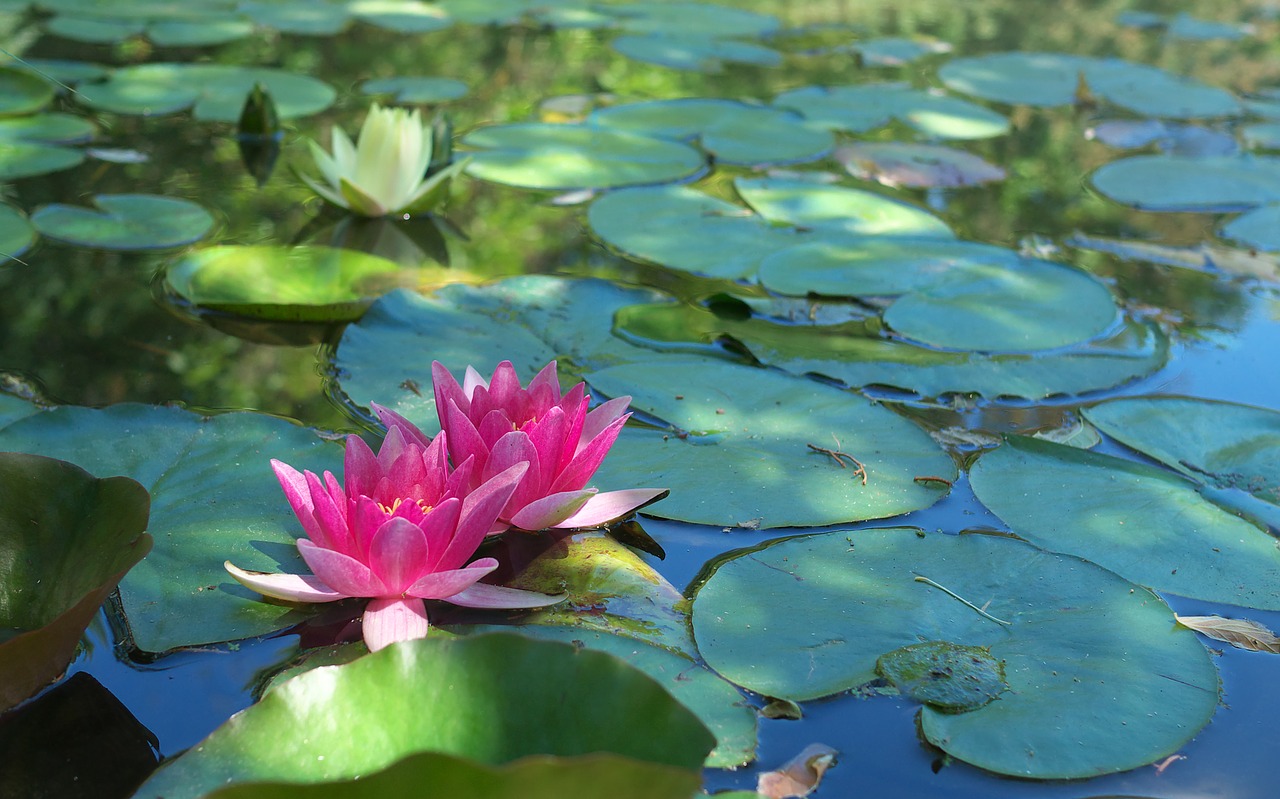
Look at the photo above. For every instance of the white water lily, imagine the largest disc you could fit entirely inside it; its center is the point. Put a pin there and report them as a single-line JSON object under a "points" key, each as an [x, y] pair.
{"points": [[383, 172]]}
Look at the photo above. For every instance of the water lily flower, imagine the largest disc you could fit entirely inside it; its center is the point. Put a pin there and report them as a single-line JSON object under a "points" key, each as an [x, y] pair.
{"points": [[401, 532], [497, 424], [386, 171]]}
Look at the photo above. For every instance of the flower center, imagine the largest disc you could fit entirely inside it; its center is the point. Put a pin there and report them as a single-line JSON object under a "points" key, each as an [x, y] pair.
{"points": [[389, 510]]}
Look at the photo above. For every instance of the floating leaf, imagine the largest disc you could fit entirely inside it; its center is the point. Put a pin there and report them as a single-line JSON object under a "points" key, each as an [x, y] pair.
{"points": [[916, 166], [1177, 183], [948, 677], [1259, 228], [66, 540], [692, 19], [1240, 633], [559, 157], [296, 284], [1143, 523], [24, 159], [800, 775], [125, 222], [416, 89], [16, 233], [758, 449], [694, 53], [836, 208], [864, 107], [215, 92], [401, 16], [54, 128], [732, 131], [439, 696], [177, 33], [895, 52], [94, 30], [299, 18], [213, 498], [1172, 138], [1185, 26], [809, 616]]}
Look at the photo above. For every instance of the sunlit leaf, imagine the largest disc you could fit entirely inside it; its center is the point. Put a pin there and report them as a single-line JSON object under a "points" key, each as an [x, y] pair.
{"points": [[895, 52], [1177, 183], [125, 222], [215, 92], [864, 107], [417, 89], [402, 16], [694, 53]]}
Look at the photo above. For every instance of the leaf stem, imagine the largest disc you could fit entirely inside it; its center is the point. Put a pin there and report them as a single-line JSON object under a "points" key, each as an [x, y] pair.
{"points": [[957, 597]]}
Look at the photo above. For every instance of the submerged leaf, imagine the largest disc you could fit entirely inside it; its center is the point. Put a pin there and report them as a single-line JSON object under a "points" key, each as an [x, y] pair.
{"points": [[800, 775]]}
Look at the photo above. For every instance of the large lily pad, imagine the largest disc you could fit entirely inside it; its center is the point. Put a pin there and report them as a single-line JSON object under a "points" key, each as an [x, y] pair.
{"points": [[744, 447], [213, 498], [416, 88], [125, 222], [401, 16], [732, 131], [1144, 523], [837, 208], [442, 696], [694, 53], [21, 92], [1259, 228], [692, 19], [53, 128], [214, 92], [1178, 183], [1101, 678], [536, 155], [29, 144], [864, 107], [296, 284], [66, 540]]}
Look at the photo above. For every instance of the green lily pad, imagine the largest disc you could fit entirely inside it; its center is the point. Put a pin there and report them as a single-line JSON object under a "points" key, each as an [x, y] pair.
{"points": [[895, 52], [1259, 228], [125, 222], [204, 33], [541, 318], [742, 448], [692, 19], [594, 776], [299, 18], [1049, 79], [66, 540], [401, 16], [694, 53], [24, 159], [1144, 523], [93, 29], [61, 70], [864, 107], [917, 166], [16, 233], [416, 89], [1179, 183], [52, 128], [1185, 26], [1101, 679], [215, 92], [440, 696], [21, 92], [732, 131], [213, 498], [836, 208], [536, 155], [296, 284], [849, 354], [948, 677]]}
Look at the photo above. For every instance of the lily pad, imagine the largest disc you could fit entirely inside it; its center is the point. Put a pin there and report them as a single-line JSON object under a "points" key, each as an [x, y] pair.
{"points": [[401, 16], [1101, 678], [917, 166], [423, 696], [1049, 79], [24, 159], [1259, 228], [1144, 523], [203, 33], [836, 208], [895, 52], [694, 53], [125, 222], [536, 155], [66, 539], [417, 89], [213, 498], [16, 233], [948, 677], [594, 776], [21, 92], [732, 131], [94, 30], [693, 19], [299, 18], [214, 92], [52, 128], [1178, 183], [864, 107], [297, 284], [759, 449]]}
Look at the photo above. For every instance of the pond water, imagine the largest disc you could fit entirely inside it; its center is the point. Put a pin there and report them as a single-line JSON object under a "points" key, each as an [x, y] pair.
{"points": [[91, 326]]}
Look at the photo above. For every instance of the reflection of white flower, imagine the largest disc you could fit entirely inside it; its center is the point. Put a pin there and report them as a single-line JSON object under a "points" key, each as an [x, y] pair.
{"points": [[383, 173]]}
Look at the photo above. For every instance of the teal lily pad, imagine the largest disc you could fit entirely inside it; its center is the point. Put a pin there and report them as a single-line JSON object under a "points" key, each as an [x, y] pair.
{"points": [[24, 159], [917, 166], [213, 498], [733, 132], [214, 92], [1180, 183], [66, 539], [60, 70], [1101, 678], [949, 677], [417, 89], [1259, 228], [693, 19], [694, 53], [442, 696], [300, 18], [852, 355], [401, 16], [295, 284], [1049, 79], [93, 29], [759, 449], [594, 776], [536, 155], [16, 233], [21, 92], [125, 222], [52, 128], [837, 208], [892, 51], [1144, 523], [1185, 26], [864, 107], [202, 33]]}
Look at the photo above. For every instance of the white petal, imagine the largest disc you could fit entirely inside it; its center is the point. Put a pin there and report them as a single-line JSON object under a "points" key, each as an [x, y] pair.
{"points": [[483, 595], [290, 587]]}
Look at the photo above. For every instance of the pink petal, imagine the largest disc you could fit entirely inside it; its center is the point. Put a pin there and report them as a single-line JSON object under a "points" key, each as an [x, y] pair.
{"points": [[393, 446], [584, 464], [447, 391], [544, 388], [483, 595], [361, 470], [444, 584], [472, 380], [398, 554], [330, 515], [461, 480], [464, 439], [342, 573], [366, 517], [611, 505], [603, 416], [495, 425], [480, 510], [440, 526], [550, 511], [504, 386], [290, 587], [391, 419], [514, 448], [295, 488], [548, 435], [387, 621]]}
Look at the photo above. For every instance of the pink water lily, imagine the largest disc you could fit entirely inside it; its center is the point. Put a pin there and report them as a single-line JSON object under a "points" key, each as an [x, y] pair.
{"points": [[497, 424], [401, 532]]}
